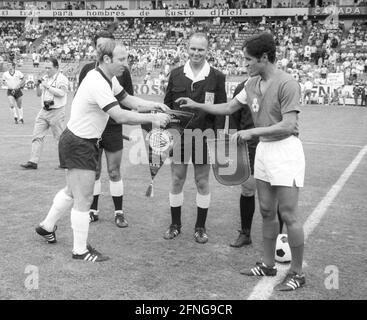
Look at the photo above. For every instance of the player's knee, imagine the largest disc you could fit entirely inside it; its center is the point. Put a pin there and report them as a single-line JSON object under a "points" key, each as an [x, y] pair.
{"points": [[83, 203], [267, 212], [178, 181], [202, 184], [114, 174], [289, 218], [87, 201]]}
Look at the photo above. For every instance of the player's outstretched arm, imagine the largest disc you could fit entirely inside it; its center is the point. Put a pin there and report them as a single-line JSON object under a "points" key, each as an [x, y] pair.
{"points": [[217, 109], [288, 126], [142, 105], [132, 118]]}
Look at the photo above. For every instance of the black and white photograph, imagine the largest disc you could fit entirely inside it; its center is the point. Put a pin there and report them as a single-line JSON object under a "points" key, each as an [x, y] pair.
{"points": [[183, 156]]}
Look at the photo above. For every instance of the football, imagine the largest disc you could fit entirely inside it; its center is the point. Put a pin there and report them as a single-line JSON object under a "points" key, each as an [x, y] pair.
{"points": [[282, 250]]}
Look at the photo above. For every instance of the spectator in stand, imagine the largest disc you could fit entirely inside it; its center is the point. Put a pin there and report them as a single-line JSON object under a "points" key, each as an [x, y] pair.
{"points": [[357, 92], [343, 93], [308, 91], [323, 72]]}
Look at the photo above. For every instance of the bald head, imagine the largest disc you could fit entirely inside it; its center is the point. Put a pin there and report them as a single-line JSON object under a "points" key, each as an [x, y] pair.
{"points": [[199, 36]]}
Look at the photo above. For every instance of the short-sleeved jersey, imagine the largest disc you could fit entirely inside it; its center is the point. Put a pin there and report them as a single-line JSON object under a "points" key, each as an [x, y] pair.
{"points": [[282, 96], [95, 96], [12, 81]]}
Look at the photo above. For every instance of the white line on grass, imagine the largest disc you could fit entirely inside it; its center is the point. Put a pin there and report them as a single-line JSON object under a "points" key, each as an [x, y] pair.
{"points": [[264, 289], [333, 144], [19, 136]]}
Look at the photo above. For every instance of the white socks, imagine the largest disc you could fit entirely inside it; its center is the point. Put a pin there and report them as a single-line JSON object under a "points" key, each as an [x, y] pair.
{"points": [[97, 187], [203, 201], [80, 226], [176, 200], [116, 188], [62, 203], [20, 111], [15, 113]]}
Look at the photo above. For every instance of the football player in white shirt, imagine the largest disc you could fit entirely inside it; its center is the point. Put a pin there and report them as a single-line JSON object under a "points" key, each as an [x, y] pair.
{"points": [[14, 81], [96, 100]]}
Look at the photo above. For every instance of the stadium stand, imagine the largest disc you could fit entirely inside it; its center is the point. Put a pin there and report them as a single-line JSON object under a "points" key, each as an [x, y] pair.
{"points": [[308, 47]]}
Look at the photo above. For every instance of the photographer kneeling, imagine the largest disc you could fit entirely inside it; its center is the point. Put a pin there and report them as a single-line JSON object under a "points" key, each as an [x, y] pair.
{"points": [[53, 92]]}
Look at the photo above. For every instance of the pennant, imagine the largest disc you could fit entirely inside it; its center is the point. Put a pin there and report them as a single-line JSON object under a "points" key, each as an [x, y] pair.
{"points": [[230, 160], [159, 142]]}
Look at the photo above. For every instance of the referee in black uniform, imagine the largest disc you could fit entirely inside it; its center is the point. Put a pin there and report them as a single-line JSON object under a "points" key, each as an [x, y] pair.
{"points": [[202, 83]]}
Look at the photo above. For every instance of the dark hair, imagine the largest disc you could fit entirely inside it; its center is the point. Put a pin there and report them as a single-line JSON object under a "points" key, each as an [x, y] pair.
{"points": [[103, 34], [54, 62], [259, 44]]}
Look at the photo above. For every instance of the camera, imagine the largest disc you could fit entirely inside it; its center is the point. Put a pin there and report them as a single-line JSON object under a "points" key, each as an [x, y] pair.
{"points": [[39, 82], [47, 104]]}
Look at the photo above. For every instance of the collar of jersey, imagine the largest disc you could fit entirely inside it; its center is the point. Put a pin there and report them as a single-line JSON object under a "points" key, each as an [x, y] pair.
{"points": [[204, 72], [98, 69]]}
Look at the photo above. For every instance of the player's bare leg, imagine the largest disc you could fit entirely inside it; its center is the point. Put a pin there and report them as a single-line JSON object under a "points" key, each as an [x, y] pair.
{"points": [[13, 108], [268, 209], [288, 207]]}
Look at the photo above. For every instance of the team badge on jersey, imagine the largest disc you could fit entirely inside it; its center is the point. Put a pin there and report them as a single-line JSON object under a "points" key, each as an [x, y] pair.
{"points": [[255, 105], [209, 97]]}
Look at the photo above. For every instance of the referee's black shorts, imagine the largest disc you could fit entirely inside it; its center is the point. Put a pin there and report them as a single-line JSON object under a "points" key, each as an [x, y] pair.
{"points": [[112, 137], [77, 153], [197, 151]]}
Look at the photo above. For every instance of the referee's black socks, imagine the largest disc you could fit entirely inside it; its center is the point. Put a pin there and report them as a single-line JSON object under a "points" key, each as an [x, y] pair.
{"points": [[176, 202]]}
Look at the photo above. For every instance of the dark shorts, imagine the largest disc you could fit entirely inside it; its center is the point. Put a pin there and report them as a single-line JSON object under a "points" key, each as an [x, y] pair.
{"points": [[77, 153], [196, 151], [112, 137], [16, 93]]}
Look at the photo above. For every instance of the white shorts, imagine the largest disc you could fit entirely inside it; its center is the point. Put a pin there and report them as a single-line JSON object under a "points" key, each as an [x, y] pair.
{"points": [[281, 163]]}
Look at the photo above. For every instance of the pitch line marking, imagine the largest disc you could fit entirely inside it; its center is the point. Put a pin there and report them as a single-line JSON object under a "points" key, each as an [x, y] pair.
{"points": [[264, 289], [333, 144]]}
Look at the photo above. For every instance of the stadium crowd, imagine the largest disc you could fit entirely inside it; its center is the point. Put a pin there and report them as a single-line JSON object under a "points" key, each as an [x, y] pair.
{"points": [[307, 49], [168, 5]]}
